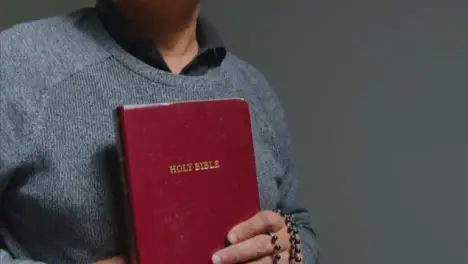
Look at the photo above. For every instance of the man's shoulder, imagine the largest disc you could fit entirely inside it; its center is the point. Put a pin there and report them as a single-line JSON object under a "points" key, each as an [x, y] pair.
{"points": [[48, 48], [38, 36], [248, 74], [246, 70], [255, 82]]}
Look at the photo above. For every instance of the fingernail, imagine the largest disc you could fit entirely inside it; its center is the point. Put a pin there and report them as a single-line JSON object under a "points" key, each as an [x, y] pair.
{"points": [[216, 259], [232, 238]]}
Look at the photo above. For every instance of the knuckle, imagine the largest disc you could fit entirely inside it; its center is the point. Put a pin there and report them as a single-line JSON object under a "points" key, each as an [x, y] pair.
{"points": [[270, 220]]}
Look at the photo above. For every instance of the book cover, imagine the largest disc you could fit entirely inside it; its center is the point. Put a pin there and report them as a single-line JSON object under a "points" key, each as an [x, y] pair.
{"points": [[189, 176]]}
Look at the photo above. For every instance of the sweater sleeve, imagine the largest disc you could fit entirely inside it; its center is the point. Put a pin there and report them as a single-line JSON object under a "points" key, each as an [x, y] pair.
{"points": [[290, 198], [16, 130], [6, 258]]}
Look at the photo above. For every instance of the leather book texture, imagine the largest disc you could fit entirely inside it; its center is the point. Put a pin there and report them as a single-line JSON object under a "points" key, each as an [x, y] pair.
{"points": [[189, 176]]}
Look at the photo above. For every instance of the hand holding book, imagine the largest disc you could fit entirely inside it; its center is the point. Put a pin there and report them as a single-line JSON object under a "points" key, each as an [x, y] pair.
{"points": [[189, 176], [268, 237]]}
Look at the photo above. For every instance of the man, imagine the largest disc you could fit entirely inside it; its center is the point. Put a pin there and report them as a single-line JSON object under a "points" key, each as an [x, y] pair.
{"points": [[60, 79]]}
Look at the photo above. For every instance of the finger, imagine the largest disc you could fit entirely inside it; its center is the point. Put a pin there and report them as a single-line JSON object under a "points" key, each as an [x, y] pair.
{"points": [[283, 259], [246, 250], [265, 221], [115, 260], [281, 240], [254, 248]]}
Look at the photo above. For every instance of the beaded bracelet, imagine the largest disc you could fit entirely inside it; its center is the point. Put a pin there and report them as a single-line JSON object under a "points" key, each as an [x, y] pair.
{"points": [[294, 238]]}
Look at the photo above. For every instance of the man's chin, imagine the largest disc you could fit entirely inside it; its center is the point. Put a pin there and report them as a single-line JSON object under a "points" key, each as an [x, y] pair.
{"points": [[171, 10]]}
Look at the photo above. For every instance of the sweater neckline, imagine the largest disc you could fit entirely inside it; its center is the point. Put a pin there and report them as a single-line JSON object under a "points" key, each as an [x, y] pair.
{"points": [[213, 76]]}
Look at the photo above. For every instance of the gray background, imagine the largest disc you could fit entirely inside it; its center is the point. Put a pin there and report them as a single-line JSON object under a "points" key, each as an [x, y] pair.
{"points": [[376, 95]]}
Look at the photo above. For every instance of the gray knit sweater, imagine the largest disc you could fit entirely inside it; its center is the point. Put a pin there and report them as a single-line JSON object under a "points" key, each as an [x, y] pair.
{"points": [[60, 79]]}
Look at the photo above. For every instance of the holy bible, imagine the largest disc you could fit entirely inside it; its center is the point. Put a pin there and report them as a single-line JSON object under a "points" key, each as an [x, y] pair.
{"points": [[189, 176]]}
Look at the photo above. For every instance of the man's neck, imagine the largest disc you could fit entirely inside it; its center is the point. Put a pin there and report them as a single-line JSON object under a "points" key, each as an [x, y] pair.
{"points": [[175, 38]]}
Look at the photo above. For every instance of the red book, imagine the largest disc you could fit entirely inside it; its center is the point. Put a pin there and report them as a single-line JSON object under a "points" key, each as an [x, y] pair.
{"points": [[189, 176]]}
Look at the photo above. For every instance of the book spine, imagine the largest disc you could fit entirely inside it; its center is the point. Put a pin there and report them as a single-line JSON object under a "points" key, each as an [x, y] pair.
{"points": [[130, 230]]}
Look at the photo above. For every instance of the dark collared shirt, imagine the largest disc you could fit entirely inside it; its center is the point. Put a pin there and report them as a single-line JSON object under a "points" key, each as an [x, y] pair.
{"points": [[211, 49]]}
